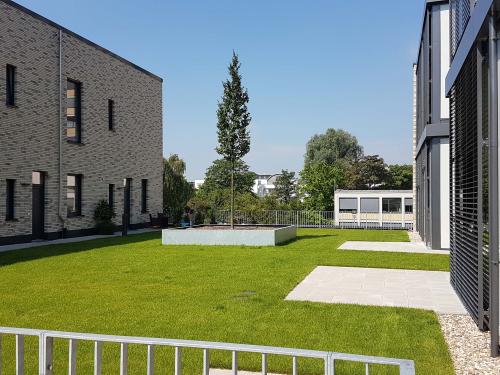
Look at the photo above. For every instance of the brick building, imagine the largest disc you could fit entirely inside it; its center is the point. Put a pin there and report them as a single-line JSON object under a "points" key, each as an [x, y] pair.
{"points": [[77, 124]]}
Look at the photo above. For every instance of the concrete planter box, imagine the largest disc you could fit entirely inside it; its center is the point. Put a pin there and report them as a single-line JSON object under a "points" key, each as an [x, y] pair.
{"points": [[263, 236]]}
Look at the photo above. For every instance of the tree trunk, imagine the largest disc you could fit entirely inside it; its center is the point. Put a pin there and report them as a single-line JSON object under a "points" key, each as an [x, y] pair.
{"points": [[232, 195]]}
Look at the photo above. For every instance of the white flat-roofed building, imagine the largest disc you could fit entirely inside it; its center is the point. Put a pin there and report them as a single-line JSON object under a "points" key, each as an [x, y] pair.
{"points": [[374, 209]]}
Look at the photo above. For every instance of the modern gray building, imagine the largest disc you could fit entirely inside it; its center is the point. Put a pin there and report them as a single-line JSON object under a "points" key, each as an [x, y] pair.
{"points": [[431, 127], [78, 124], [472, 86]]}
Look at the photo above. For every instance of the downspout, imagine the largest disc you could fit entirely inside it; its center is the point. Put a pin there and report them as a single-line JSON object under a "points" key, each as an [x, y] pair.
{"points": [[61, 134], [493, 187]]}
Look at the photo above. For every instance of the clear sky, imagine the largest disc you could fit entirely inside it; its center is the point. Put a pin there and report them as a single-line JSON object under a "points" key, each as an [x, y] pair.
{"points": [[308, 65]]}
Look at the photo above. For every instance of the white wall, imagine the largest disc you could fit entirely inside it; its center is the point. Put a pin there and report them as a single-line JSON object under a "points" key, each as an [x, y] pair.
{"points": [[445, 57], [445, 192]]}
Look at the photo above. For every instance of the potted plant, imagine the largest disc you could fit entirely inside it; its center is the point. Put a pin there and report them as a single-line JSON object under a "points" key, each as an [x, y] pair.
{"points": [[103, 217]]}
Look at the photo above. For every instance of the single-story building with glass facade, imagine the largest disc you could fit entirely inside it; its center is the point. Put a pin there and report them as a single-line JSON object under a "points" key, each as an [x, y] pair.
{"points": [[387, 209]]}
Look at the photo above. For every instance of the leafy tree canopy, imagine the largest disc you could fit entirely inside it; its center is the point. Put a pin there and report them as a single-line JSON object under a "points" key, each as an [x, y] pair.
{"points": [[176, 189], [218, 176], [285, 189], [370, 172], [400, 177], [318, 183], [334, 147]]}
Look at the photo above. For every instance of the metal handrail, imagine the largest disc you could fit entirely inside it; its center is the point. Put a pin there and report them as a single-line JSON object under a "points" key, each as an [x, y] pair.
{"points": [[406, 367]]}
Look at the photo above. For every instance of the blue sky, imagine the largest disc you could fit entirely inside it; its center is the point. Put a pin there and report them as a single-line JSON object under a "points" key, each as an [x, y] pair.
{"points": [[308, 66]]}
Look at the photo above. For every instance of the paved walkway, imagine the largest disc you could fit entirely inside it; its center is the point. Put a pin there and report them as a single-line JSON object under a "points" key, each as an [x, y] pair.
{"points": [[429, 290], [70, 240], [398, 247]]}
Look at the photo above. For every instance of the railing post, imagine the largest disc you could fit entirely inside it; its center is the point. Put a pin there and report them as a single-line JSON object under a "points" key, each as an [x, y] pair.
{"points": [[234, 370], [19, 355], [0, 354], [151, 360], [123, 358], [72, 357], [264, 364], [206, 362], [295, 367], [97, 358], [45, 350], [178, 360]]}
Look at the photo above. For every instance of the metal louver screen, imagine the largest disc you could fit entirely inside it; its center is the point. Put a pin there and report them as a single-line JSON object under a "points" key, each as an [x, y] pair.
{"points": [[484, 183], [460, 11], [465, 260]]}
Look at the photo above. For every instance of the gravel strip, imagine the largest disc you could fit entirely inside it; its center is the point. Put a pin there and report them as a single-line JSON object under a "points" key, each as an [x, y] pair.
{"points": [[469, 347]]}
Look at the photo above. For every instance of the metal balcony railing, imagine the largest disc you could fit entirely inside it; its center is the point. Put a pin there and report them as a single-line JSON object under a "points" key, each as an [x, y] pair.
{"points": [[46, 352]]}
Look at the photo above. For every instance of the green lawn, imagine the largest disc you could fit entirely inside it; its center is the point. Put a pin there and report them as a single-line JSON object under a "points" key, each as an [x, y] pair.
{"points": [[136, 286]]}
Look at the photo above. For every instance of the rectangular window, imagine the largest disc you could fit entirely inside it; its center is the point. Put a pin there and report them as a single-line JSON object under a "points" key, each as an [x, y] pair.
{"points": [[74, 194], [111, 114], [10, 199], [348, 205], [111, 195], [369, 205], [144, 196], [11, 85], [73, 111], [391, 205], [408, 205]]}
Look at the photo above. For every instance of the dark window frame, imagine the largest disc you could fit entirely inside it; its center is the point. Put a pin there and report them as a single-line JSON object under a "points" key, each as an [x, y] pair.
{"points": [[111, 195], [77, 118], [78, 195], [10, 194], [144, 195], [10, 76], [111, 114], [389, 203]]}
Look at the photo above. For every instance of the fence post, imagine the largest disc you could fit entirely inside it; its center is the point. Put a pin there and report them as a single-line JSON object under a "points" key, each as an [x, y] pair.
{"points": [[380, 212], [402, 212]]}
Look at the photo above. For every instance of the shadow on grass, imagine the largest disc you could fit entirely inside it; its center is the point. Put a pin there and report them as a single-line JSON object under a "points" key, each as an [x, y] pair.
{"points": [[312, 236], [51, 250]]}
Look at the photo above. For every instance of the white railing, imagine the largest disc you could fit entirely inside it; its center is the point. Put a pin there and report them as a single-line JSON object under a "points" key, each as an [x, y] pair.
{"points": [[46, 353], [319, 219], [301, 219]]}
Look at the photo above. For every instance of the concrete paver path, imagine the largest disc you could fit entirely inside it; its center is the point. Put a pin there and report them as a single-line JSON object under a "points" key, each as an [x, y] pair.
{"points": [[398, 247], [429, 290]]}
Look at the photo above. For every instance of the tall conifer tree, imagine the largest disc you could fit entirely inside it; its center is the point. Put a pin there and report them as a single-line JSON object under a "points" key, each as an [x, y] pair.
{"points": [[233, 120]]}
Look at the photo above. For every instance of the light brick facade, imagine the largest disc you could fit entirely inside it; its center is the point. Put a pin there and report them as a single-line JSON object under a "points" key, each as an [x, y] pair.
{"points": [[32, 134]]}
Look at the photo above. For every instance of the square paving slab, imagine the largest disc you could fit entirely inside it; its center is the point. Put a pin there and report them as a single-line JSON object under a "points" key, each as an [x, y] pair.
{"points": [[398, 247], [430, 290]]}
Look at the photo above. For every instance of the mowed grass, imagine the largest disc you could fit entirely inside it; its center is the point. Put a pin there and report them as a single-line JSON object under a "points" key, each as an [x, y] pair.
{"points": [[136, 286]]}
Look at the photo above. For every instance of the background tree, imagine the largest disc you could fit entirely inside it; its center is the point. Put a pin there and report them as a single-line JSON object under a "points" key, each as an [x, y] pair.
{"points": [[318, 183], [400, 177], [335, 147], [370, 172], [176, 189], [233, 121], [285, 187], [218, 176]]}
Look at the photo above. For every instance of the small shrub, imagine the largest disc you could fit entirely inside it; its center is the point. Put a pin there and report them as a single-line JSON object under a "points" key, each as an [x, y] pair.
{"points": [[103, 217]]}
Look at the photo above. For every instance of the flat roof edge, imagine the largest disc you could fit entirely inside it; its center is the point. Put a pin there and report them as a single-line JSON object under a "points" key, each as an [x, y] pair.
{"points": [[83, 39]]}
